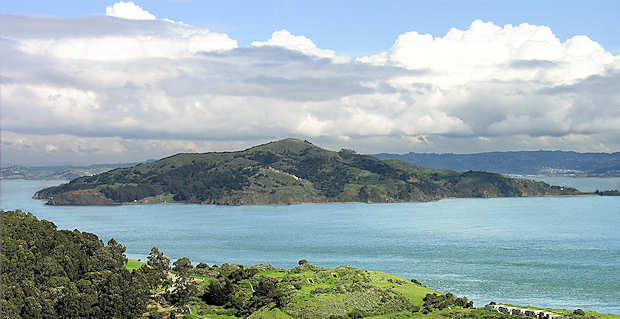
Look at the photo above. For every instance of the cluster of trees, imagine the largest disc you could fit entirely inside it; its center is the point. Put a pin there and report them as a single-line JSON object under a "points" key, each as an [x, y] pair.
{"points": [[239, 289], [434, 301], [129, 193], [199, 182], [48, 273]]}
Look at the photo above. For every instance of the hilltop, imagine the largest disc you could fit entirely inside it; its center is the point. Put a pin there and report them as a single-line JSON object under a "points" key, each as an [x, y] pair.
{"points": [[557, 163], [284, 172]]}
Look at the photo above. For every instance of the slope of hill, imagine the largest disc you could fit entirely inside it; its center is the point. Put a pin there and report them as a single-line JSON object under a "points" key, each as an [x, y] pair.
{"points": [[525, 163], [284, 172]]}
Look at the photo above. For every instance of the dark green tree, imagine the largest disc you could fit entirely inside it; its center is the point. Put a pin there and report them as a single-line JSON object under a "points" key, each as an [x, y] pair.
{"points": [[182, 266]]}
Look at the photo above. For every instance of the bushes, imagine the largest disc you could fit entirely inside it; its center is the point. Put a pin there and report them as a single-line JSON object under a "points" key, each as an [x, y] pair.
{"points": [[415, 281], [579, 312], [434, 301]]}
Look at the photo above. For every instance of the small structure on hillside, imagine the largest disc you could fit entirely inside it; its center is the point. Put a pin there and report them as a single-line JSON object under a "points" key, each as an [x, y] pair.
{"points": [[534, 313]]}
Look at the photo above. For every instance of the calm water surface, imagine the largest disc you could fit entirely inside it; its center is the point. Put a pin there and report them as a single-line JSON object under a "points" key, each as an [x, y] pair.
{"points": [[545, 251]]}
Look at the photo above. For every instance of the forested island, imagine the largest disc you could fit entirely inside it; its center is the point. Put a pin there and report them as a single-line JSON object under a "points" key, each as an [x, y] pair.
{"points": [[288, 171], [51, 273]]}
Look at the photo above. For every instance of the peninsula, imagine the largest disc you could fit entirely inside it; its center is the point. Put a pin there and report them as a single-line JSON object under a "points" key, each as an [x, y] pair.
{"points": [[287, 171]]}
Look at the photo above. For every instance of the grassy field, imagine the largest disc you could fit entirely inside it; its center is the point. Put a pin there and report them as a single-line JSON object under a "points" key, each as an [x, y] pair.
{"points": [[133, 264]]}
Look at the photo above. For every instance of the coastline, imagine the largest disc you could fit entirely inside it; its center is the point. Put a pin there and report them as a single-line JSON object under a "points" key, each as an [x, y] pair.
{"points": [[589, 194]]}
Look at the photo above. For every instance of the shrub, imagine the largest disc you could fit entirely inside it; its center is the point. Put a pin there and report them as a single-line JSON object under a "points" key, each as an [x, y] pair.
{"points": [[302, 262], [579, 312], [356, 314], [435, 301], [415, 281]]}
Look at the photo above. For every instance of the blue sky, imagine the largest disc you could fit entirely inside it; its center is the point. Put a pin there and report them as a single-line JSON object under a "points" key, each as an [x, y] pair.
{"points": [[112, 81], [360, 27]]}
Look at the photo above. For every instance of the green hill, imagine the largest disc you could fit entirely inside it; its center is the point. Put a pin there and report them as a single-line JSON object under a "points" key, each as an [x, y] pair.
{"points": [[284, 172]]}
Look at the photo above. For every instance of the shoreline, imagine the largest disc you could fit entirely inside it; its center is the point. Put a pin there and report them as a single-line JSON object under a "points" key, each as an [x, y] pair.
{"points": [[588, 194]]}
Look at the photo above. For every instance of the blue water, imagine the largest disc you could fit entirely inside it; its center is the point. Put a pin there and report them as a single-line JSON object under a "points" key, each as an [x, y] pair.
{"points": [[546, 251]]}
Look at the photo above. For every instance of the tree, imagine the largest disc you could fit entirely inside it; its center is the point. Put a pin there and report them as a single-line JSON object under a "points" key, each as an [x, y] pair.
{"points": [[182, 266], [182, 290], [157, 260]]}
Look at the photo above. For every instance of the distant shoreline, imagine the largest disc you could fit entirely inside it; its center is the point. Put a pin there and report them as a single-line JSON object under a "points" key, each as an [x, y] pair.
{"points": [[589, 194]]}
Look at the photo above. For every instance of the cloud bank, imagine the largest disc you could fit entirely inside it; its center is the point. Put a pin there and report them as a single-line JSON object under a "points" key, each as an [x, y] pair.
{"points": [[129, 83]]}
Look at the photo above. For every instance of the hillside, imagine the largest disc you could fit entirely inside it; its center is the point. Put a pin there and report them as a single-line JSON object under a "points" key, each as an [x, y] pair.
{"points": [[284, 172], [525, 163], [51, 273]]}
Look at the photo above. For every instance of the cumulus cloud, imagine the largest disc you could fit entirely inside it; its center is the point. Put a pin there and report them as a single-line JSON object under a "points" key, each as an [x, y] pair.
{"points": [[128, 10], [113, 40], [486, 51], [300, 43], [126, 86]]}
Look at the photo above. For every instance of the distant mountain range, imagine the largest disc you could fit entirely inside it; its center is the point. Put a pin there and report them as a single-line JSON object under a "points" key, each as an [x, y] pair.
{"points": [[284, 172], [57, 172], [523, 162]]}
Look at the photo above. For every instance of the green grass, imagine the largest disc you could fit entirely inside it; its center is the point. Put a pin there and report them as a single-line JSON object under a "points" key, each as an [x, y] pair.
{"points": [[133, 264], [266, 313], [412, 292], [200, 310], [159, 199], [276, 273]]}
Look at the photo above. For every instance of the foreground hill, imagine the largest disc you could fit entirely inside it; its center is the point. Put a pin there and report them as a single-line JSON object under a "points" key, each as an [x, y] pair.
{"points": [[525, 162], [284, 172], [50, 273]]}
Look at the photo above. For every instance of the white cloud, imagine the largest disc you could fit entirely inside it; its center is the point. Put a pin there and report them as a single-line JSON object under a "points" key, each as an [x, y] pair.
{"points": [[299, 43], [50, 148], [486, 52], [128, 86], [146, 39], [128, 10]]}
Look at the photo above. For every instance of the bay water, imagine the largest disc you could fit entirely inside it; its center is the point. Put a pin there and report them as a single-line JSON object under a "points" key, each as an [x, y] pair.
{"points": [[557, 252]]}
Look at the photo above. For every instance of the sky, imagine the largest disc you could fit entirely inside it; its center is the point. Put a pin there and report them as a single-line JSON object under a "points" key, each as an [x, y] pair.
{"points": [[86, 82]]}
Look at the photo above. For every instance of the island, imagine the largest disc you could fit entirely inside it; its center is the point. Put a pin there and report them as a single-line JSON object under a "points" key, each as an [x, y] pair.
{"points": [[288, 171]]}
